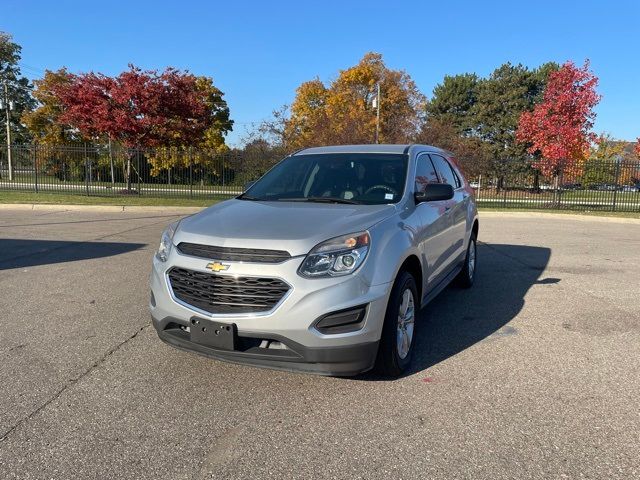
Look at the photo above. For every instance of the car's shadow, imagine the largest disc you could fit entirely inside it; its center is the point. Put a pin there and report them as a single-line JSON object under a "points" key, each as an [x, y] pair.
{"points": [[459, 318], [21, 252]]}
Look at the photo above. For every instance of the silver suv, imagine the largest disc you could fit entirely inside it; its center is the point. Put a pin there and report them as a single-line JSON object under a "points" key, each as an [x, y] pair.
{"points": [[322, 264]]}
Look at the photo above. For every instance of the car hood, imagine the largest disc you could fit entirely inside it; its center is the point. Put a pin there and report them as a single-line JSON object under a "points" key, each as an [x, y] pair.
{"points": [[291, 226]]}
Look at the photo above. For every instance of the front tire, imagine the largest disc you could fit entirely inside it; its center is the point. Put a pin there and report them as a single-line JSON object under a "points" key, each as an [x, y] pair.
{"points": [[398, 332]]}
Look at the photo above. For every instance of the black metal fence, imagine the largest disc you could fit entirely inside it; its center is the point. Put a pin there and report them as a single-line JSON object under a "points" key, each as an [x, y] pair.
{"points": [[595, 185], [99, 170], [112, 171]]}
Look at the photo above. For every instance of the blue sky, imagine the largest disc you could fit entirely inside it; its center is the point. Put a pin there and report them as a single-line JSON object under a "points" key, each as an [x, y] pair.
{"points": [[259, 52]]}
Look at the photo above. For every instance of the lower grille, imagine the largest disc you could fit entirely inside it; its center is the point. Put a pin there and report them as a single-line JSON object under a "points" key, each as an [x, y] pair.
{"points": [[224, 293]]}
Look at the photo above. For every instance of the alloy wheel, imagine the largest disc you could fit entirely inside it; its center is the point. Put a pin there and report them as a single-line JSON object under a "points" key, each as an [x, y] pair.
{"points": [[471, 267], [406, 321]]}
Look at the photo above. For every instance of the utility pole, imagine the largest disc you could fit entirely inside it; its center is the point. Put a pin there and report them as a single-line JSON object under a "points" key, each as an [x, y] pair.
{"points": [[7, 105], [378, 113]]}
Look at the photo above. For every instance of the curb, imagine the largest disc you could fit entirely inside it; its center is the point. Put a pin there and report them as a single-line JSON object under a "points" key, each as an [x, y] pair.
{"points": [[190, 210], [98, 208], [559, 216]]}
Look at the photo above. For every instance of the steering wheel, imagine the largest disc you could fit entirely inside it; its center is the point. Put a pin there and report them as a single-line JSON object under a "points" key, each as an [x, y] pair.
{"points": [[386, 188]]}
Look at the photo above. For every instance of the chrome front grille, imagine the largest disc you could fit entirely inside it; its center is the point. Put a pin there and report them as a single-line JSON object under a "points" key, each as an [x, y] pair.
{"points": [[219, 294], [229, 254]]}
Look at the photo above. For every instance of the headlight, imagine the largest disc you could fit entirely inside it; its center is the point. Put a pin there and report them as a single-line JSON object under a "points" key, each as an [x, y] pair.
{"points": [[338, 256], [166, 241]]}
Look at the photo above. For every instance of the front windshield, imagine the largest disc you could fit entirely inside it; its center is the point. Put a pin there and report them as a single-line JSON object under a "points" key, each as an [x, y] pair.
{"points": [[362, 178]]}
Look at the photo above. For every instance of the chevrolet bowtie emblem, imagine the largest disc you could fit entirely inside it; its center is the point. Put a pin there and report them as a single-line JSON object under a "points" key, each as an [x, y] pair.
{"points": [[217, 267]]}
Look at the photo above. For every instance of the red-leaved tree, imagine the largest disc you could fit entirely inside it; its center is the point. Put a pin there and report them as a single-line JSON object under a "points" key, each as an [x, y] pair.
{"points": [[638, 147], [558, 130], [137, 108]]}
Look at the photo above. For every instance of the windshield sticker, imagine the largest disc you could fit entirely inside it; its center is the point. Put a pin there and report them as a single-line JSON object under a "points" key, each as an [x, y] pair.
{"points": [[388, 196]]}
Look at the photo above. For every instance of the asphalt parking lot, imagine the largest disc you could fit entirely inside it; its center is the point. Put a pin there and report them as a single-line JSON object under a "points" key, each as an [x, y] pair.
{"points": [[534, 373]]}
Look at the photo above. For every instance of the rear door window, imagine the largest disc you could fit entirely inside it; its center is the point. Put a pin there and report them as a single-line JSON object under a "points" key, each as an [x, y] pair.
{"points": [[425, 173]]}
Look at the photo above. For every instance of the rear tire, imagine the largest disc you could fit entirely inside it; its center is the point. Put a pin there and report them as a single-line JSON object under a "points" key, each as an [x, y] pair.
{"points": [[398, 331], [467, 275]]}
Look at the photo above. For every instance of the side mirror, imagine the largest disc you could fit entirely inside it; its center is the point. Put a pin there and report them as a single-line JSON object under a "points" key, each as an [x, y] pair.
{"points": [[433, 192], [248, 185]]}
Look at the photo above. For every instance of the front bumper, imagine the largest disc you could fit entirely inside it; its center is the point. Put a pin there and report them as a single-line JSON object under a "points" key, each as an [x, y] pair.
{"points": [[290, 325], [340, 361]]}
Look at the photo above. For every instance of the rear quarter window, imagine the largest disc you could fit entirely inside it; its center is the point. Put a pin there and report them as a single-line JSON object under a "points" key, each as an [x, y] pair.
{"points": [[446, 171]]}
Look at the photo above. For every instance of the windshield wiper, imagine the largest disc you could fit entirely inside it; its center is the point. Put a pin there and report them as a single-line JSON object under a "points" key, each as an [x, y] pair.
{"points": [[321, 200], [247, 197]]}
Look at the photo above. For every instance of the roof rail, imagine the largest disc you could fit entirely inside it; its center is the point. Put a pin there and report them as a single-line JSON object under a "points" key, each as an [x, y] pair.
{"points": [[297, 151]]}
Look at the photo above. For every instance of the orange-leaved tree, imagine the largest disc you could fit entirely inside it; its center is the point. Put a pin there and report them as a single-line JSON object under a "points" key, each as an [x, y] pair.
{"points": [[44, 122], [46, 128], [344, 111]]}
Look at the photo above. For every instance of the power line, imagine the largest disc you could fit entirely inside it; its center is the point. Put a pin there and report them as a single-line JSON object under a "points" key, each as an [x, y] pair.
{"points": [[37, 70], [32, 67]]}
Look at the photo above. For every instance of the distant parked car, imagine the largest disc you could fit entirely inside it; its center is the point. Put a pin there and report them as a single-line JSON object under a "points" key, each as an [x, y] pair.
{"points": [[631, 188], [572, 186], [604, 187]]}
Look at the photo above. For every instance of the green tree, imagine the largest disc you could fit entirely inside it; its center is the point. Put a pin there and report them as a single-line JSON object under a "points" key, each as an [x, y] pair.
{"points": [[453, 101], [18, 89], [502, 98], [484, 113], [509, 91]]}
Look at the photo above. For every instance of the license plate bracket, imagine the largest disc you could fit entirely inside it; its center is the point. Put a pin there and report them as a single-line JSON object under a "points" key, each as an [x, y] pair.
{"points": [[223, 336]]}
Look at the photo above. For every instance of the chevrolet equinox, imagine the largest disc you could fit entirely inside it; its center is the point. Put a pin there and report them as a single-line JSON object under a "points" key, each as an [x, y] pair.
{"points": [[322, 264]]}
